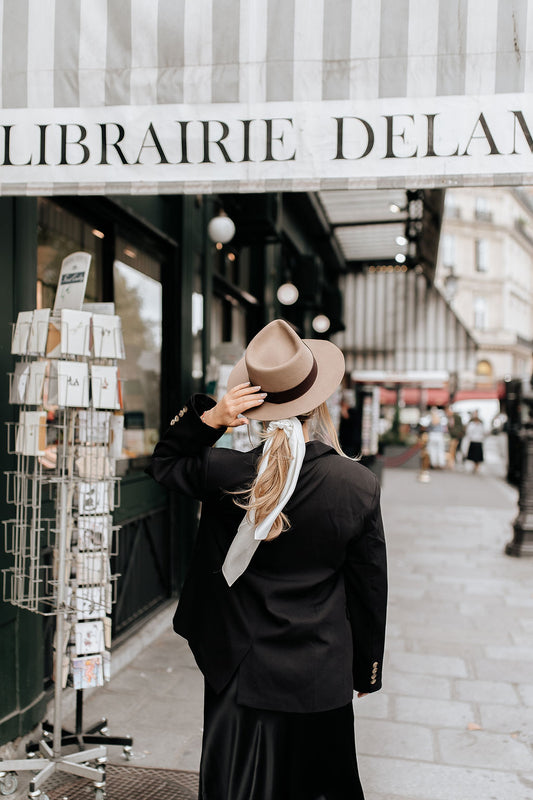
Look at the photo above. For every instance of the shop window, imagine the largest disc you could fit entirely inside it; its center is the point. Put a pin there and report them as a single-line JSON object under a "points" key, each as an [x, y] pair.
{"points": [[138, 301], [480, 313], [448, 250], [483, 211], [482, 255], [59, 234]]}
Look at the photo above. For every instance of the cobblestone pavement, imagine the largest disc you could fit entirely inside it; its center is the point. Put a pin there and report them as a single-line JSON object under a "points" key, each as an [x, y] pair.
{"points": [[455, 718]]}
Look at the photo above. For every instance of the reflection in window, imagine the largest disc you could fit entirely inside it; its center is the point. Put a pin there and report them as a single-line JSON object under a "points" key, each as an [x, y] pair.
{"points": [[59, 234], [138, 301]]}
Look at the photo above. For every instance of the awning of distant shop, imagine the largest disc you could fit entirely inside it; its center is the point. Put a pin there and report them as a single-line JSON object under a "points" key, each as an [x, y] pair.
{"points": [[401, 329], [159, 96]]}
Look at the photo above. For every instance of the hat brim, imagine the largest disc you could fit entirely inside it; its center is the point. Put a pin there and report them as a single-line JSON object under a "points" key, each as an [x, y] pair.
{"points": [[330, 363]]}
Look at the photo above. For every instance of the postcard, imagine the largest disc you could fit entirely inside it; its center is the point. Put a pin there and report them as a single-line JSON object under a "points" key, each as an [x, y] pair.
{"points": [[53, 341], [19, 382], [104, 386], [89, 637], [94, 463], [72, 281], [39, 332], [92, 569], [91, 602], [108, 341], [94, 533], [87, 671], [95, 497], [31, 433], [34, 389], [117, 436], [75, 332], [94, 426], [69, 384], [19, 343]]}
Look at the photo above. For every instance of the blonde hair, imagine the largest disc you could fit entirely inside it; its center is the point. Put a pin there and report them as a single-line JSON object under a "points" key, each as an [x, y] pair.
{"points": [[264, 493]]}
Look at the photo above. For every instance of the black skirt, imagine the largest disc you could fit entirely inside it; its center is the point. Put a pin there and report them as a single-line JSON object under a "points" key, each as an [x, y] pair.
{"points": [[253, 754], [475, 452]]}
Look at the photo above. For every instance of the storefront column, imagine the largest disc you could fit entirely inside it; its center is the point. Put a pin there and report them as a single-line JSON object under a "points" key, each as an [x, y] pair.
{"points": [[22, 699]]}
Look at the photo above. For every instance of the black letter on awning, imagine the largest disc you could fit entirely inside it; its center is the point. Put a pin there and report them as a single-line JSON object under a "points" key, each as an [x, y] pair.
{"points": [[156, 144], [218, 142], [486, 135], [340, 138], [270, 139], [7, 149], [525, 130], [106, 144], [390, 136], [83, 133]]}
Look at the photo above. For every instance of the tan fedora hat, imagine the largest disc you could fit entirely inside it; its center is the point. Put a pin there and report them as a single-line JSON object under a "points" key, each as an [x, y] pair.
{"points": [[298, 374]]}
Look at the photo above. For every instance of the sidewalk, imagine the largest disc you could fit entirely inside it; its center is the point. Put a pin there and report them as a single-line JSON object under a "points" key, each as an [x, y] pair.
{"points": [[455, 718]]}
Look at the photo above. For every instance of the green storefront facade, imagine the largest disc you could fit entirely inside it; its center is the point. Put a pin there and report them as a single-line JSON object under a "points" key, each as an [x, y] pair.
{"points": [[206, 295]]}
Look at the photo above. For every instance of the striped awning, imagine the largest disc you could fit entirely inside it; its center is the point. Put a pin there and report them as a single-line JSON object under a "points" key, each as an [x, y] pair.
{"points": [[155, 96], [399, 325]]}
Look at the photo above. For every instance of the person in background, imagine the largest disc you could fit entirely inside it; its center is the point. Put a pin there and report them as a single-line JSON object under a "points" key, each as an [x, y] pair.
{"points": [[475, 434], [436, 430], [456, 431]]}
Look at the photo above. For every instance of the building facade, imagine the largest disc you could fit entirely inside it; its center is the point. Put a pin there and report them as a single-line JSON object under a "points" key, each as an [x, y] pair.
{"points": [[485, 270]]}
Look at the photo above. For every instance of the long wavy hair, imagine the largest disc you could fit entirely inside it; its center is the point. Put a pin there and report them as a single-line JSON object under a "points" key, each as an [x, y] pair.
{"points": [[264, 493]]}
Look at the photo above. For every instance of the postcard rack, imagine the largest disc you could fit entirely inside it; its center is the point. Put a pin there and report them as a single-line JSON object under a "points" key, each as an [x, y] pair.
{"points": [[65, 442]]}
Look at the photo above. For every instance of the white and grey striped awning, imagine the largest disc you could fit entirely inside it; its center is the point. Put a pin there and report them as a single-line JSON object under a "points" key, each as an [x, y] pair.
{"points": [[251, 95], [398, 323]]}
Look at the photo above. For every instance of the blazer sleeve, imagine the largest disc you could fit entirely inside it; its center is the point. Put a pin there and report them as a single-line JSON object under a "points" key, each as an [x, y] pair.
{"points": [[180, 460], [365, 577]]}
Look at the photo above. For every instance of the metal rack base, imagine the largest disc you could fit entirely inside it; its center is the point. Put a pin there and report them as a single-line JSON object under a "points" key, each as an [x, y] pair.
{"points": [[74, 764]]}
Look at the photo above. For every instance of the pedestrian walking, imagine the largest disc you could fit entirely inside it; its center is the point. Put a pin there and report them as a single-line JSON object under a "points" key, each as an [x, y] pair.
{"points": [[456, 431], [475, 436], [436, 445], [284, 602]]}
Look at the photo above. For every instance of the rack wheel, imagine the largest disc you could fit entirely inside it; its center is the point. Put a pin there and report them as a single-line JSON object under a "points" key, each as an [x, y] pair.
{"points": [[99, 794], [8, 783]]}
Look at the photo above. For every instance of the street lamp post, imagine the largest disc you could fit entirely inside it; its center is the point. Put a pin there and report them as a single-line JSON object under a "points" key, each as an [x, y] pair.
{"points": [[522, 541]]}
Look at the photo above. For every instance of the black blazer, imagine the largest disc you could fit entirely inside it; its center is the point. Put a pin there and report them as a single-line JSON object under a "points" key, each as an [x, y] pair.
{"points": [[305, 624]]}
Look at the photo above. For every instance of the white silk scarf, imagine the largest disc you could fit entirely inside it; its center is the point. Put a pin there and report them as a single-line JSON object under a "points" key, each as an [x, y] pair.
{"points": [[249, 535]]}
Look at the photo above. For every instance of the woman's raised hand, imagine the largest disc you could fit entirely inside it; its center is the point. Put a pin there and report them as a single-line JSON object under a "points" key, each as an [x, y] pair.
{"points": [[236, 401]]}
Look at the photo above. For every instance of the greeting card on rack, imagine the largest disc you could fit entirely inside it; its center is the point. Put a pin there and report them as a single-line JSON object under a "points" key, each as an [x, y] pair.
{"points": [[92, 568], [89, 637], [108, 341], [87, 672], [117, 436], [34, 390], [94, 533], [94, 426], [19, 382], [31, 433], [95, 498], [19, 343], [94, 463], [39, 332], [69, 384], [72, 281], [104, 387], [75, 332], [91, 602]]}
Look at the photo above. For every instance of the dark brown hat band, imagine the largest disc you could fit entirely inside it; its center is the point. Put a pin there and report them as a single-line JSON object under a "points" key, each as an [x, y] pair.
{"points": [[297, 391]]}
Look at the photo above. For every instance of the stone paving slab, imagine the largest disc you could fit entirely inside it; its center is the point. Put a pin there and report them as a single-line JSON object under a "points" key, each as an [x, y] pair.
{"points": [[454, 720]]}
